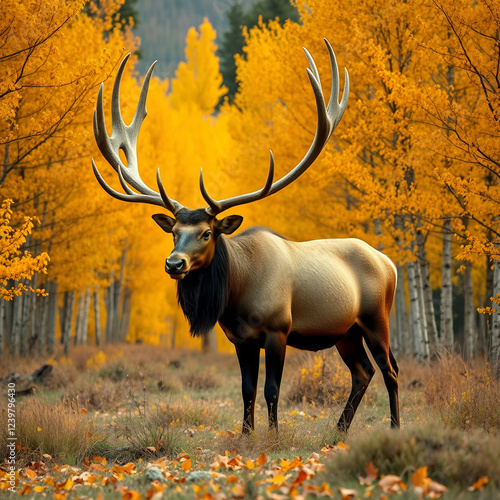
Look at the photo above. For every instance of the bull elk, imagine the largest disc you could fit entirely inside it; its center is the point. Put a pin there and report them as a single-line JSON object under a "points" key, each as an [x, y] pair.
{"points": [[265, 291]]}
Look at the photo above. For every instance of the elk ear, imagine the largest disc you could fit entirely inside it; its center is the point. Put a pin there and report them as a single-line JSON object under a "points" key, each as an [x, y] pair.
{"points": [[229, 224], [165, 222]]}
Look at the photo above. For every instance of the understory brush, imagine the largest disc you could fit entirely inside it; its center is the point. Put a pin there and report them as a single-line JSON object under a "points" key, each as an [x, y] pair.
{"points": [[465, 394]]}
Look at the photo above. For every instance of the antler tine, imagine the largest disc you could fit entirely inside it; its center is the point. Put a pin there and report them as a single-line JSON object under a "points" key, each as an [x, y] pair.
{"points": [[328, 117], [170, 204], [216, 207], [125, 138]]}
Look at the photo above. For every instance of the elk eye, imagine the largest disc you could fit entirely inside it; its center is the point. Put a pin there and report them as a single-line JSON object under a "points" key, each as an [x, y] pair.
{"points": [[206, 235]]}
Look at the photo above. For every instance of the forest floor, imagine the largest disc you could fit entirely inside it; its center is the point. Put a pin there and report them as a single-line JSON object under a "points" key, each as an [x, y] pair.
{"points": [[146, 422]]}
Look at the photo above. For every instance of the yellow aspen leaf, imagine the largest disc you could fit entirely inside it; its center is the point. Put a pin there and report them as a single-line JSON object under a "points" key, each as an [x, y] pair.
{"points": [[279, 479]]}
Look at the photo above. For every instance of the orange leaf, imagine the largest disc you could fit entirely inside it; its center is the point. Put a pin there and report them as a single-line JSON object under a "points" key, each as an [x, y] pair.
{"points": [[127, 469], [131, 495], [67, 485], [186, 465], [26, 489], [30, 473], [232, 479], [420, 478], [250, 465], [479, 484], [301, 477], [83, 411], [342, 446], [262, 459]]}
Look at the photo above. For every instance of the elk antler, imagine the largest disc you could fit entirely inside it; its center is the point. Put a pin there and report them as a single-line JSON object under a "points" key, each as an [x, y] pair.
{"points": [[329, 117], [125, 138]]}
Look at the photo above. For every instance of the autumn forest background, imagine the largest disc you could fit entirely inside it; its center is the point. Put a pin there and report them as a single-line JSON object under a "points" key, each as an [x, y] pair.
{"points": [[413, 169]]}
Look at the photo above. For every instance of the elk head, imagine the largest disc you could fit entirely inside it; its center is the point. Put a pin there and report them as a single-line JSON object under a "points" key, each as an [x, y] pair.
{"points": [[196, 231]]}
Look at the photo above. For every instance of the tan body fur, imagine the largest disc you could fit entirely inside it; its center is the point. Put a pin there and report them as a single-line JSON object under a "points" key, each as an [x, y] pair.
{"points": [[314, 289]]}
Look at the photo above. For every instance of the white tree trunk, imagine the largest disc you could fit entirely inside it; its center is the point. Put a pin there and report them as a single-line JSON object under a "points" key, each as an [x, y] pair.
{"points": [[97, 318], [79, 314], [416, 319], [85, 317], [24, 322], [469, 313], [430, 317], [425, 335], [401, 315], [68, 320], [32, 326], [447, 339], [495, 322]]}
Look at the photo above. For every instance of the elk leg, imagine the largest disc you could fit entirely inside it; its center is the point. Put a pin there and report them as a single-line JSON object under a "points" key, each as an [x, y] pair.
{"points": [[249, 357], [275, 347], [353, 352], [377, 340]]}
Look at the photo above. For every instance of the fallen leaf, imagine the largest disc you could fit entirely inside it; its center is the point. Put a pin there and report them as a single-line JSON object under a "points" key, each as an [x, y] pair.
{"points": [[232, 479], [347, 493], [420, 478], [66, 485], [131, 495], [279, 479], [262, 459], [186, 465], [30, 473], [479, 484], [435, 490], [391, 484], [25, 490], [371, 475]]}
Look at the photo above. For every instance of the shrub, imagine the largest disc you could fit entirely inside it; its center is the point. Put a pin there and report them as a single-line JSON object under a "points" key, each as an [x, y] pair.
{"points": [[320, 378], [466, 396], [451, 455], [61, 431]]}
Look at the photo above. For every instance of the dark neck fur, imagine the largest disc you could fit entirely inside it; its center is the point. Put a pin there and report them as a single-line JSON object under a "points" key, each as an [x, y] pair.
{"points": [[203, 294]]}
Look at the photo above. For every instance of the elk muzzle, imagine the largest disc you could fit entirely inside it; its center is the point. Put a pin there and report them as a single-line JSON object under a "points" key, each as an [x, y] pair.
{"points": [[176, 267]]}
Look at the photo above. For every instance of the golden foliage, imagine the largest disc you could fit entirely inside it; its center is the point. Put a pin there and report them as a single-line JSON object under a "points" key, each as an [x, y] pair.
{"points": [[15, 267]]}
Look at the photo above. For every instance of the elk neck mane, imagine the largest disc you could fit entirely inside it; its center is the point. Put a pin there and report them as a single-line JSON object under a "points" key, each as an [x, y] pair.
{"points": [[203, 294]]}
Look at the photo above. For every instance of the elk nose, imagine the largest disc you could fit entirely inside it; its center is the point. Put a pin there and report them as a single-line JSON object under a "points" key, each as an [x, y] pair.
{"points": [[174, 265]]}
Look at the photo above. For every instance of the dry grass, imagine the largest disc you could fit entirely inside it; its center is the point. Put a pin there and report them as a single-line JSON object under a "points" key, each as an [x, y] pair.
{"points": [[465, 394], [100, 394], [320, 378], [451, 455], [58, 430]]}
